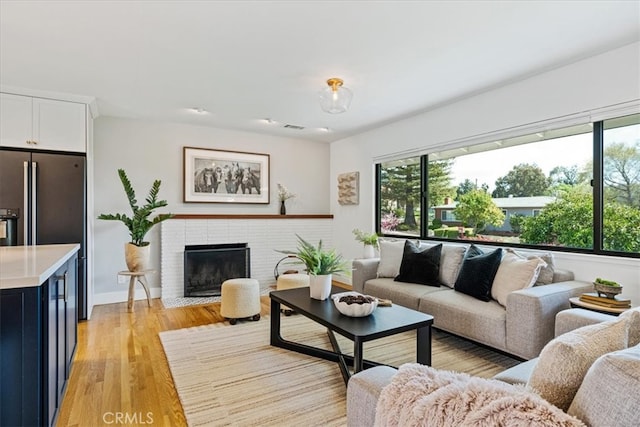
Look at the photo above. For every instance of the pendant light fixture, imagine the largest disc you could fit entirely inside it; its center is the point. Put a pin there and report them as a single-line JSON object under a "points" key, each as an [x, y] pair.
{"points": [[335, 98]]}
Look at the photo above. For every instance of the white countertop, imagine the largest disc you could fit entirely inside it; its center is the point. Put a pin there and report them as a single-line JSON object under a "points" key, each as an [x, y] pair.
{"points": [[26, 266]]}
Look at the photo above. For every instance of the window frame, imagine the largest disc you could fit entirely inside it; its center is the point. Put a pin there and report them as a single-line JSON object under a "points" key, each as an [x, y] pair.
{"points": [[597, 184]]}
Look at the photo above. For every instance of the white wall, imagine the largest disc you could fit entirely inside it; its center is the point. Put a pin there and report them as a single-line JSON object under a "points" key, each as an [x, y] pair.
{"points": [[153, 150], [594, 83]]}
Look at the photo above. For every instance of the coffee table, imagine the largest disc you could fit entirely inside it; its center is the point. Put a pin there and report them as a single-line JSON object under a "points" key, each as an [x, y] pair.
{"points": [[383, 322]]}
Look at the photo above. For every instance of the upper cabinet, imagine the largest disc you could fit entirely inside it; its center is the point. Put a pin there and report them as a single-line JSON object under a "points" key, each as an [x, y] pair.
{"points": [[42, 124]]}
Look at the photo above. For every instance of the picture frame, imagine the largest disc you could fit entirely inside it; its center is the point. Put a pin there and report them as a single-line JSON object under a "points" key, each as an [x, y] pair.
{"points": [[223, 176]]}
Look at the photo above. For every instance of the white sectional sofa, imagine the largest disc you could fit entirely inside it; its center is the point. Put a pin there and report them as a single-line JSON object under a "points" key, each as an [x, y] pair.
{"points": [[585, 376], [520, 326]]}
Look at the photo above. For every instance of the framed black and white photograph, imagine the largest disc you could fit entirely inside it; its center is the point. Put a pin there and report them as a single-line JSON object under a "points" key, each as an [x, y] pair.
{"points": [[222, 176]]}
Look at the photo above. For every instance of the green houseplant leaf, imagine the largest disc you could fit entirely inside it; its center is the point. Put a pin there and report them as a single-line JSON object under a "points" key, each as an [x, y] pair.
{"points": [[139, 223], [317, 260], [366, 238]]}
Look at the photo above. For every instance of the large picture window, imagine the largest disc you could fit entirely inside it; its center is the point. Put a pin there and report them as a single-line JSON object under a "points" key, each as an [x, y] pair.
{"points": [[575, 188]]}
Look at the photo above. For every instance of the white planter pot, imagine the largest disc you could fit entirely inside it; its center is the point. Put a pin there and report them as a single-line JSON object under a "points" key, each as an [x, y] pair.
{"points": [[369, 251], [137, 257], [320, 286]]}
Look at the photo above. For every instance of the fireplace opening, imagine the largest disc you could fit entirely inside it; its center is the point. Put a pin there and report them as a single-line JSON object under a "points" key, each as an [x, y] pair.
{"points": [[207, 266]]}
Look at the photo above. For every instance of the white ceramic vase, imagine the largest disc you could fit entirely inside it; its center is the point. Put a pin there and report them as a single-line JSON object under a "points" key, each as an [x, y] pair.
{"points": [[320, 286], [369, 251], [137, 257]]}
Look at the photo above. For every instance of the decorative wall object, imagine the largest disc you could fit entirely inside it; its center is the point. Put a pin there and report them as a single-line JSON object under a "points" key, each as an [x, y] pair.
{"points": [[221, 176], [348, 188]]}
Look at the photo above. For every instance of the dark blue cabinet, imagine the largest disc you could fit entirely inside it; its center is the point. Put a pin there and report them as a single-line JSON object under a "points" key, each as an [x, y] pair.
{"points": [[38, 337]]}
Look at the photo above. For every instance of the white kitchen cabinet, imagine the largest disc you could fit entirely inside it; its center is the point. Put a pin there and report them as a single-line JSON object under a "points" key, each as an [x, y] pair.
{"points": [[42, 124]]}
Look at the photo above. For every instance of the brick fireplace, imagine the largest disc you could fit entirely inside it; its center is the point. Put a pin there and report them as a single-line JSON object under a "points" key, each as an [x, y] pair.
{"points": [[264, 234]]}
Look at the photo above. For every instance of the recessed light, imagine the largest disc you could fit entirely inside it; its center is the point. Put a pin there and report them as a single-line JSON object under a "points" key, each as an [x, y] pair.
{"points": [[324, 129], [268, 121], [198, 110]]}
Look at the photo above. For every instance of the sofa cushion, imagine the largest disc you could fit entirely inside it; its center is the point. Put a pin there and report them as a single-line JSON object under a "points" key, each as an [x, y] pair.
{"points": [[450, 262], [422, 395], [420, 265], [401, 293], [518, 374], [463, 315], [477, 272], [391, 251], [610, 392], [632, 317], [514, 273], [564, 361], [546, 273]]}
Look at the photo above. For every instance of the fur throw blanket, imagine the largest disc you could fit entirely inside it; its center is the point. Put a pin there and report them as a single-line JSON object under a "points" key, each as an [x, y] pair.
{"points": [[419, 395]]}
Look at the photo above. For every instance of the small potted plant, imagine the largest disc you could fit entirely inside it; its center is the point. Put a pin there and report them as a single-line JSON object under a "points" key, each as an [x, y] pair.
{"points": [[137, 251], [320, 263], [370, 242], [608, 288]]}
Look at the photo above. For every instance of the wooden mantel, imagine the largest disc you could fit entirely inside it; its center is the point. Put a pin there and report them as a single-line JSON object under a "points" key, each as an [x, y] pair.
{"points": [[251, 216]]}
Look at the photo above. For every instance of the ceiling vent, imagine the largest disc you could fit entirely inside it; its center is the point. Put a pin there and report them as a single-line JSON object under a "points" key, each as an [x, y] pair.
{"points": [[294, 127]]}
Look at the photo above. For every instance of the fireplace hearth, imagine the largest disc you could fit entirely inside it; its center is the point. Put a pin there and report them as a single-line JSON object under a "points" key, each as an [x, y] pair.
{"points": [[207, 266]]}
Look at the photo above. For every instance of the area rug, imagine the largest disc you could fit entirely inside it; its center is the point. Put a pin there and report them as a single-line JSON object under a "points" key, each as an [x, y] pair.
{"points": [[231, 376]]}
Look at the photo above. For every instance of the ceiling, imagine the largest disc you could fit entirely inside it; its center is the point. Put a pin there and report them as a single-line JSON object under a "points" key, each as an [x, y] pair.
{"points": [[243, 61]]}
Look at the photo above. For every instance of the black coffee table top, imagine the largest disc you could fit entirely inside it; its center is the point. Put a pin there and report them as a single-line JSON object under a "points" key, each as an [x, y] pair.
{"points": [[384, 321]]}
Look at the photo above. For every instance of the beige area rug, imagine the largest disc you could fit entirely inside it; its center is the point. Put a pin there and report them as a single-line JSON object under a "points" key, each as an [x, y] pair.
{"points": [[230, 375]]}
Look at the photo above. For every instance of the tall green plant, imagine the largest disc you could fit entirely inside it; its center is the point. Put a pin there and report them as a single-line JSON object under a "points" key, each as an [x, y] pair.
{"points": [[139, 224], [317, 260]]}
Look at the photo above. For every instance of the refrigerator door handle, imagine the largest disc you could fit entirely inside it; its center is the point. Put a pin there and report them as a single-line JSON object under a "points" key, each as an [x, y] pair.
{"points": [[34, 198], [25, 198]]}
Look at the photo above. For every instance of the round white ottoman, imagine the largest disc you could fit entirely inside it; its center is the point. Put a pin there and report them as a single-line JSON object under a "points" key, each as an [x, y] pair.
{"points": [[288, 281], [240, 299]]}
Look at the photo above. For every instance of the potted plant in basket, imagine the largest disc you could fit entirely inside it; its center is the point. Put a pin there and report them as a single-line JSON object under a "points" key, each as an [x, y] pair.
{"points": [[370, 242], [320, 264], [137, 250]]}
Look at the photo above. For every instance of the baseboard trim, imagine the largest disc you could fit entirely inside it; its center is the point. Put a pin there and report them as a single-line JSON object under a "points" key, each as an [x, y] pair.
{"points": [[123, 296]]}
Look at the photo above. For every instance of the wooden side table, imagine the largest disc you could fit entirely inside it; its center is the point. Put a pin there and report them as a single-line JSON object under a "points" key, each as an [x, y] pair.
{"points": [[140, 276], [576, 302]]}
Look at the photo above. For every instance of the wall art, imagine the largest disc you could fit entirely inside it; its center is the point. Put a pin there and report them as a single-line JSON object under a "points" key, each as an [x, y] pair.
{"points": [[222, 176]]}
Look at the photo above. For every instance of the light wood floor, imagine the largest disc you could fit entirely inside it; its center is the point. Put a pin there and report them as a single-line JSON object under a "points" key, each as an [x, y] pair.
{"points": [[120, 369]]}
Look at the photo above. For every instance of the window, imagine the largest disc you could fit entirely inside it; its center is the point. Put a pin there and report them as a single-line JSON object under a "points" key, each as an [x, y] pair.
{"points": [[621, 184], [518, 175], [399, 197], [540, 189], [448, 216]]}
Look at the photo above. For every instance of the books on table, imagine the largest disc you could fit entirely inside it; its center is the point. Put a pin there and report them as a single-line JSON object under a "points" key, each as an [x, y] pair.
{"points": [[594, 298]]}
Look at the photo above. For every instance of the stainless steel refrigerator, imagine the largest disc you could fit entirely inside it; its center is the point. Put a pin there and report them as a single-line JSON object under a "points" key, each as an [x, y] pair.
{"points": [[49, 189]]}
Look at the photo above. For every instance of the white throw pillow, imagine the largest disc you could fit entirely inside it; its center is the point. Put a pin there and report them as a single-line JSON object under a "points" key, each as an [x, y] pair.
{"points": [[515, 273], [391, 252], [565, 360], [546, 273], [450, 263]]}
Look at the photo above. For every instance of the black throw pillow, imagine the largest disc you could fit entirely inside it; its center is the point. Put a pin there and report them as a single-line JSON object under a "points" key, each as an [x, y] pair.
{"points": [[420, 266], [477, 273]]}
